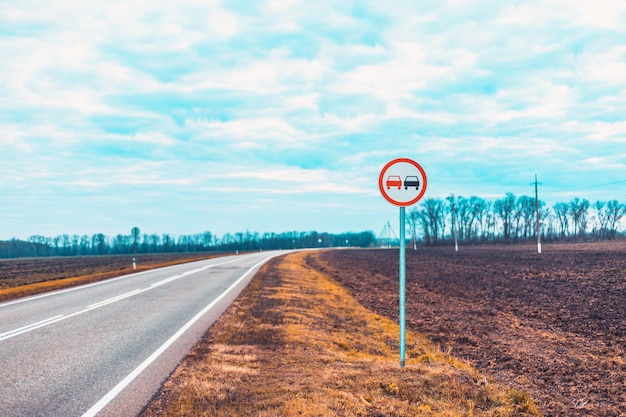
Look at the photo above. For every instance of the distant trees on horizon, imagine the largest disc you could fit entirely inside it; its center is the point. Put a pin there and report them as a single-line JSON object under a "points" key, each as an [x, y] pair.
{"points": [[137, 243], [433, 221], [512, 219]]}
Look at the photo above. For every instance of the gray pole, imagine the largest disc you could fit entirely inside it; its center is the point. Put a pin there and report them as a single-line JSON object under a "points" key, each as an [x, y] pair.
{"points": [[537, 215], [402, 288], [456, 241]]}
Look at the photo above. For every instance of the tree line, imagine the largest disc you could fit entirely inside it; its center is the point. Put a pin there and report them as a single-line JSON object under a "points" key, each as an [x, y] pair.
{"points": [[137, 243], [513, 219], [434, 221]]}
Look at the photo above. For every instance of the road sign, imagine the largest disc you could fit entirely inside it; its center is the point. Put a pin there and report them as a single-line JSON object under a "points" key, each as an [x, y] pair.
{"points": [[402, 182]]}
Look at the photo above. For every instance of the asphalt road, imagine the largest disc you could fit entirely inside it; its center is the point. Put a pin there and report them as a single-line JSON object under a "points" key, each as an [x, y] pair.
{"points": [[105, 349]]}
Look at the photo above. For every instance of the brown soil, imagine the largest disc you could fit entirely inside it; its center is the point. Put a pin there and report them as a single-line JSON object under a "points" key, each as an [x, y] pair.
{"points": [[552, 324]]}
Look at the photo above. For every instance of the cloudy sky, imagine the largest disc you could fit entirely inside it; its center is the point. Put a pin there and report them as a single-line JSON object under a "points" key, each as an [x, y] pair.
{"points": [[185, 116]]}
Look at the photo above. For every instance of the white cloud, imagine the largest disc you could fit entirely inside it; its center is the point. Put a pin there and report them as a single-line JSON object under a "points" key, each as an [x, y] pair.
{"points": [[255, 132], [605, 67], [277, 72], [407, 71], [170, 98], [612, 163], [144, 138], [602, 14], [304, 101], [350, 124], [279, 180], [607, 132]]}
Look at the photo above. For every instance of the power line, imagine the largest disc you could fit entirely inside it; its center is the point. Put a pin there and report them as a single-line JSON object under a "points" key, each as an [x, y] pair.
{"points": [[553, 190], [604, 185], [596, 186]]}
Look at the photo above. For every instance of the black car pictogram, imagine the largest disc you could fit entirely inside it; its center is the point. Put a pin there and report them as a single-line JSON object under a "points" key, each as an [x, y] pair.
{"points": [[411, 181]]}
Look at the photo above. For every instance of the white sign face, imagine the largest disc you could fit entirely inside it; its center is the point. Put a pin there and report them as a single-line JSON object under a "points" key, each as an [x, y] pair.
{"points": [[402, 182]]}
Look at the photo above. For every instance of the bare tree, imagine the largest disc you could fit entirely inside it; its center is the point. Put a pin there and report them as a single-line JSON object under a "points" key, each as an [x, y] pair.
{"points": [[615, 212], [561, 211], [525, 217], [433, 219], [504, 208], [578, 211], [453, 210], [99, 243], [84, 245], [413, 219], [134, 235], [603, 218], [481, 210], [168, 243], [66, 243], [471, 210]]}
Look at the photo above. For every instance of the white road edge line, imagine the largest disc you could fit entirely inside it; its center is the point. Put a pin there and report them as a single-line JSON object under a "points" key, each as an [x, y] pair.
{"points": [[80, 287], [28, 328], [104, 401], [34, 326], [113, 299]]}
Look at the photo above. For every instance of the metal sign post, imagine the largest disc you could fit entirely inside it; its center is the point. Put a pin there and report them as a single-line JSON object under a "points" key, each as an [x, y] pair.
{"points": [[402, 182], [402, 297]]}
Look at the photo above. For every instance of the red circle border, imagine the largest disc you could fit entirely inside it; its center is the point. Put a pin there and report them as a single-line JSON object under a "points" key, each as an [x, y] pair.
{"points": [[382, 188]]}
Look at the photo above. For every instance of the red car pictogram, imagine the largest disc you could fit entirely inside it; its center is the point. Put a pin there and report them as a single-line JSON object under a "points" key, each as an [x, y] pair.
{"points": [[394, 181]]}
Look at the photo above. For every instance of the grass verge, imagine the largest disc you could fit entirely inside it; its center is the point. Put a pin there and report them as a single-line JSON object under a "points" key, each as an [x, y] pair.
{"points": [[295, 343]]}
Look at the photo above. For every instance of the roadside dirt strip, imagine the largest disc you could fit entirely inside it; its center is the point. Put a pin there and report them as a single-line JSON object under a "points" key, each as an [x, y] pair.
{"points": [[553, 324], [296, 343]]}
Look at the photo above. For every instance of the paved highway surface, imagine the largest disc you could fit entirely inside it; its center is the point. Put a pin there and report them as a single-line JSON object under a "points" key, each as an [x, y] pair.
{"points": [[105, 349]]}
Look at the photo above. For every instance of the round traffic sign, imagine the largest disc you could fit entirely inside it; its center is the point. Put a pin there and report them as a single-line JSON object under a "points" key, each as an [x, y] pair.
{"points": [[402, 182]]}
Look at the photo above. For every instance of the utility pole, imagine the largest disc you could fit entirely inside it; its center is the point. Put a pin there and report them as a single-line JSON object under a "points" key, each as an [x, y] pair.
{"points": [[384, 238], [538, 221], [453, 208]]}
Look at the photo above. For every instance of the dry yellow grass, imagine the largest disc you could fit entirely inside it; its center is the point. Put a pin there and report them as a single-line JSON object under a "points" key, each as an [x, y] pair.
{"points": [[295, 343]]}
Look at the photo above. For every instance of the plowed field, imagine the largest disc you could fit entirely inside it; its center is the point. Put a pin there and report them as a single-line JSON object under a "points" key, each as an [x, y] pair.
{"points": [[553, 324], [23, 271], [25, 276]]}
